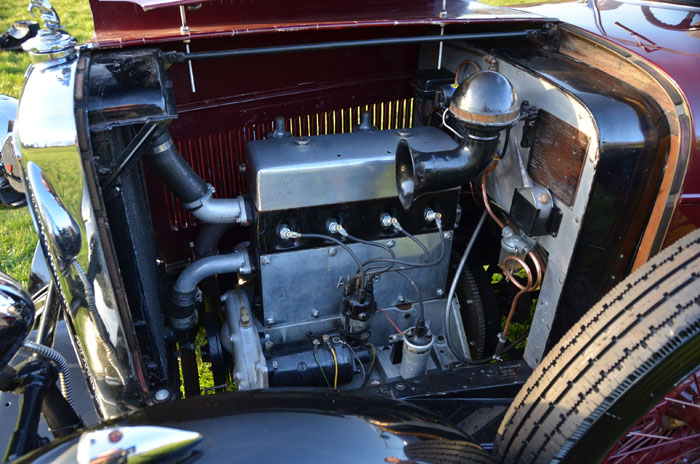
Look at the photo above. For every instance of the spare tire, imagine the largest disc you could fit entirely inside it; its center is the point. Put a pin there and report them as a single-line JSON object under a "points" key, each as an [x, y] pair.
{"points": [[616, 363]]}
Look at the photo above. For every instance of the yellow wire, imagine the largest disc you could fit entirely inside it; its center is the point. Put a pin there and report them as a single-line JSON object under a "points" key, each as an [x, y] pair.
{"points": [[335, 360], [374, 357]]}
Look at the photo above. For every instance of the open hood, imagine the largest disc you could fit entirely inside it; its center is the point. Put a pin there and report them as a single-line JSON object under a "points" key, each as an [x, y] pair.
{"points": [[121, 23]]}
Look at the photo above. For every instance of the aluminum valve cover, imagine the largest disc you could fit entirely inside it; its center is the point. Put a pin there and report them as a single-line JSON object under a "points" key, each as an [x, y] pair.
{"points": [[295, 172]]}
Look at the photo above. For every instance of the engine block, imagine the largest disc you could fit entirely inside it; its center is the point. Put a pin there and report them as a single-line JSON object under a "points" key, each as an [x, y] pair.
{"points": [[306, 183]]}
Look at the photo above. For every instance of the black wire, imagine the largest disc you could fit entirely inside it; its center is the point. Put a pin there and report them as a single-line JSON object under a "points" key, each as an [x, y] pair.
{"points": [[505, 350], [421, 310], [443, 247], [374, 244], [320, 367], [502, 155], [378, 245], [517, 340], [419, 243], [344, 247]]}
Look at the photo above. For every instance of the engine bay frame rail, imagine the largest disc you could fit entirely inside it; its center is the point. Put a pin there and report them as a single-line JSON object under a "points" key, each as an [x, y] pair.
{"points": [[469, 381], [476, 395]]}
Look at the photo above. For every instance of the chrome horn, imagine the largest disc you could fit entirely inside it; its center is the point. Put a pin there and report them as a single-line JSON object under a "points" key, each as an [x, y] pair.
{"points": [[483, 105], [16, 317]]}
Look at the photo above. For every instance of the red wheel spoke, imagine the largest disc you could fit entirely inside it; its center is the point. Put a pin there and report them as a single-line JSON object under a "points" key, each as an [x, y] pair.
{"points": [[668, 432], [658, 445], [639, 434], [685, 403]]}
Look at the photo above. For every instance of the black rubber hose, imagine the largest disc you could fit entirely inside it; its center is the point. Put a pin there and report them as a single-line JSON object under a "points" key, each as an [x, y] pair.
{"points": [[173, 170], [209, 237], [183, 296]]}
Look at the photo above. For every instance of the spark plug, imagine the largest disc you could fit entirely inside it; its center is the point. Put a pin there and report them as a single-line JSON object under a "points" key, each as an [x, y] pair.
{"points": [[286, 233], [388, 220], [335, 228], [431, 216]]}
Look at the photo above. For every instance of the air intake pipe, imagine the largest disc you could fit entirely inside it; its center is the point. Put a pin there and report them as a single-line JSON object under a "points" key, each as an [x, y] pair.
{"points": [[483, 105]]}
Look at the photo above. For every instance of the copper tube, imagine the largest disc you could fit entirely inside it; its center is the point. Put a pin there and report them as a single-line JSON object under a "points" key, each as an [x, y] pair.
{"points": [[461, 65], [530, 287], [485, 196]]}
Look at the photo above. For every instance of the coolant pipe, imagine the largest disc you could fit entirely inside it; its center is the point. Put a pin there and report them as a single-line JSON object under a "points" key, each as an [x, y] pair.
{"points": [[183, 315], [420, 172], [207, 243], [195, 194]]}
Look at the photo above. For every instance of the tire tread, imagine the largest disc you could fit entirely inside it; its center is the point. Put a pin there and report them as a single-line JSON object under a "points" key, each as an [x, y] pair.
{"points": [[582, 368]]}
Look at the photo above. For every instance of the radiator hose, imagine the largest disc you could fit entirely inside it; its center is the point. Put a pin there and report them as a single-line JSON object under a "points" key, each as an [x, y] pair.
{"points": [[184, 295], [194, 193]]}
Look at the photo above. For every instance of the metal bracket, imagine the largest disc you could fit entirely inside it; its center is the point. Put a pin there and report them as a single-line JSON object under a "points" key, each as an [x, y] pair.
{"points": [[129, 156]]}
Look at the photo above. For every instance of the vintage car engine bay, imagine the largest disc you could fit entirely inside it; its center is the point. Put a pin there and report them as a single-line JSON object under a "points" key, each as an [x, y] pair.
{"points": [[416, 212], [346, 235]]}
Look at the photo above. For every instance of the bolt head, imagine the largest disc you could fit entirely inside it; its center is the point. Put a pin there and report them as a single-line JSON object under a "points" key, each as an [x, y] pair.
{"points": [[391, 243], [401, 299], [404, 132], [265, 260], [376, 279], [162, 394], [269, 321], [440, 292], [302, 140], [332, 251], [315, 313], [275, 365], [448, 235], [374, 383], [400, 386]]}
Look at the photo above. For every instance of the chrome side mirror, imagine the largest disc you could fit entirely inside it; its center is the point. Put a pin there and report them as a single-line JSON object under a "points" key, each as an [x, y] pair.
{"points": [[16, 317], [61, 228]]}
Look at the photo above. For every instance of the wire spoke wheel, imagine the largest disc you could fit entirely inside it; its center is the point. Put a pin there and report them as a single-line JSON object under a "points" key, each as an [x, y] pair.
{"points": [[668, 433]]}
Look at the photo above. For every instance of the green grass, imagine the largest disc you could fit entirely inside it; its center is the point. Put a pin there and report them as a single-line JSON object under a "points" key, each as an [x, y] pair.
{"points": [[17, 238]]}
